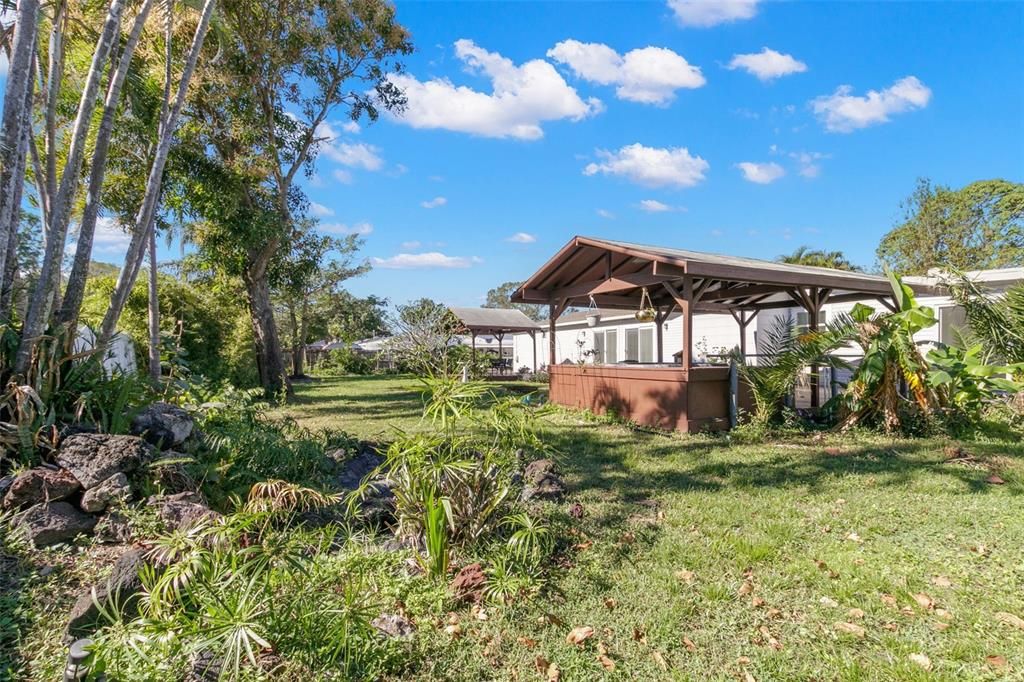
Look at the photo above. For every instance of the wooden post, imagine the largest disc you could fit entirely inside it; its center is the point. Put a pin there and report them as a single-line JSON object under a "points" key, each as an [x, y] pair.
{"points": [[533, 344], [812, 324], [687, 308], [658, 335], [743, 321], [501, 355], [552, 317], [472, 341]]}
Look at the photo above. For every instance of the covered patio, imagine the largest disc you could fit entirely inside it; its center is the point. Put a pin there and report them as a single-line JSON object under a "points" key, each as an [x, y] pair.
{"points": [[660, 280], [496, 322]]}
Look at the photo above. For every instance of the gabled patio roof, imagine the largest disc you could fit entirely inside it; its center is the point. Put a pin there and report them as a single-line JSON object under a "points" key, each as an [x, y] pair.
{"points": [[495, 321], [615, 273]]}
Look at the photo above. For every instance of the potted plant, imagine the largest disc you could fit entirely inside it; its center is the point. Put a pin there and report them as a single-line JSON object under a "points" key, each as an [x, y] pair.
{"points": [[593, 315], [647, 313]]}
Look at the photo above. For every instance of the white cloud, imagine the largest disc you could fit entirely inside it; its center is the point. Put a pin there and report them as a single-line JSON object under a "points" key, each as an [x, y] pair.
{"points": [[606, 214], [434, 203], [350, 127], [361, 228], [522, 238], [356, 155], [430, 259], [843, 112], [319, 210], [522, 98], [651, 166], [650, 75], [655, 206], [110, 238], [761, 173], [343, 176], [767, 64], [807, 163], [411, 245], [704, 13]]}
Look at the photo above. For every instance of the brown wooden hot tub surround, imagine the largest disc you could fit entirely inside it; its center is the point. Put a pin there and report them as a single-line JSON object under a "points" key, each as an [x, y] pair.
{"points": [[662, 396]]}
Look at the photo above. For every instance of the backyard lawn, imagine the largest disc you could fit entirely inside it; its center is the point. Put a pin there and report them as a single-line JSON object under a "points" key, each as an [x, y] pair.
{"points": [[852, 557]]}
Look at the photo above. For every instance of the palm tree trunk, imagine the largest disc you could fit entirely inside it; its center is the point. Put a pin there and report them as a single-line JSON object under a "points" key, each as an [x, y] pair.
{"points": [[75, 289], [13, 134], [154, 313], [47, 287], [145, 218]]}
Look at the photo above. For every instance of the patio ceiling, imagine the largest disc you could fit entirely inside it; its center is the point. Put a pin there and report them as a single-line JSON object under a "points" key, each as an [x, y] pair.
{"points": [[615, 274]]}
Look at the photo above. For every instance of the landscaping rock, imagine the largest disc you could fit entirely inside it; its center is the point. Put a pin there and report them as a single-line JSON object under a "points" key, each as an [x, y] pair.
{"points": [[182, 510], [353, 470], [469, 582], [40, 485], [93, 458], [542, 482], [108, 493], [53, 522], [399, 543], [5, 484], [393, 625], [163, 425], [204, 666], [113, 529], [120, 589]]}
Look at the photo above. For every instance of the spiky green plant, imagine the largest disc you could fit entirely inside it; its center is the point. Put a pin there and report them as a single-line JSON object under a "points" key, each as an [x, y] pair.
{"points": [[435, 525]]}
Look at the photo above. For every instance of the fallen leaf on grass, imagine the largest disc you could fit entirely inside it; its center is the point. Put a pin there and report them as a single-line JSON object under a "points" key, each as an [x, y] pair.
{"points": [[1010, 619], [939, 626], [455, 630], [941, 581], [994, 480], [944, 614], [659, 659], [853, 537], [610, 604], [921, 660], [584, 546], [690, 646], [602, 657], [856, 614], [769, 638], [627, 538], [828, 601], [995, 661], [579, 635], [851, 629], [685, 576], [541, 664], [554, 673], [757, 602], [527, 642], [478, 612], [550, 619], [746, 588], [889, 600], [639, 636], [924, 601]]}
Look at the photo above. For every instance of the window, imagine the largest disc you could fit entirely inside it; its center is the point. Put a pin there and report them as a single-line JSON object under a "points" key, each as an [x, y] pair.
{"points": [[640, 345], [952, 325], [803, 321], [606, 346]]}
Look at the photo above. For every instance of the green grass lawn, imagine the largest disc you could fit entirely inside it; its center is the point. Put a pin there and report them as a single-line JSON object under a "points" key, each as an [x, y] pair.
{"points": [[852, 557]]}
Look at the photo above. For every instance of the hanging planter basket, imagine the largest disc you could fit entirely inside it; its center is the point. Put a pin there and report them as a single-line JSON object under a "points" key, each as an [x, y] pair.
{"points": [[593, 316], [647, 313]]}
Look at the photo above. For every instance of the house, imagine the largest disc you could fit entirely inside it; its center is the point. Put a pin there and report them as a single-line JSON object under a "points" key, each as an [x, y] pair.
{"points": [[719, 302]]}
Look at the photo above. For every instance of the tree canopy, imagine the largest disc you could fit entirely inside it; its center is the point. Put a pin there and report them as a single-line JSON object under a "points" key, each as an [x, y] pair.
{"points": [[805, 255], [979, 226], [498, 297]]}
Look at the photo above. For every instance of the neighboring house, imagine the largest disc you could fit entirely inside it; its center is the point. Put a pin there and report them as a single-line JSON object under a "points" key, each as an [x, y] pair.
{"points": [[619, 338], [120, 357]]}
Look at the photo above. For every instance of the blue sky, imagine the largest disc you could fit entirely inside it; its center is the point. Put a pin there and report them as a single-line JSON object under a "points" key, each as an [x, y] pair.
{"points": [[531, 122]]}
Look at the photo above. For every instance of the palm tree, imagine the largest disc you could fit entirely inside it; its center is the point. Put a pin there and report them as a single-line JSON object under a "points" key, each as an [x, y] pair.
{"points": [[805, 255]]}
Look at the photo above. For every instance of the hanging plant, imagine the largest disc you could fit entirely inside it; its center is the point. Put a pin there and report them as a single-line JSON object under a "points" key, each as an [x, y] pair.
{"points": [[647, 313], [594, 315]]}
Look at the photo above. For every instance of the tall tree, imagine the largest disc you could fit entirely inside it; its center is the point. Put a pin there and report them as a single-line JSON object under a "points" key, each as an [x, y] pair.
{"points": [[979, 226], [315, 266], [286, 68], [805, 255], [499, 297]]}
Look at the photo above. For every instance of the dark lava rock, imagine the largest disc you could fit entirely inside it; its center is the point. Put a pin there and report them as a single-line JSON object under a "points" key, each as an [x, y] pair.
{"points": [[113, 529], [120, 590], [93, 458], [469, 582], [542, 482], [53, 522], [107, 494], [163, 425], [393, 625], [182, 510], [353, 470], [40, 485], [204, 666]]}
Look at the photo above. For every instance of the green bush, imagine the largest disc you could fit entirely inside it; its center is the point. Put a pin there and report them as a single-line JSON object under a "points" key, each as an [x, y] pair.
{"points": [[341, 361]]}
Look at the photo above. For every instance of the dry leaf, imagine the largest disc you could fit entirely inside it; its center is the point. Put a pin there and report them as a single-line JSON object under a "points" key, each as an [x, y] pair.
{"points": [[941, 581], [944, 614], [453, 617], [554, 673], [478, 612], [743, 660], [855, 614], [455, 630], [1010, 619], [541, 664], [921, 660], [606, 663], [769, 638], [889, 600], [659, 659], [747, 677], [627, 538], [828, 601], [746, 588], [610, 603], [994, 480], [757, 602], [995, 661], [579, 635], [924, 601], [584, 546], [939, 626], [774, 613], [891, 627], [851, 629], [690, 646], [639, 636], [550, 619], [527, 642], [685, 576]]}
